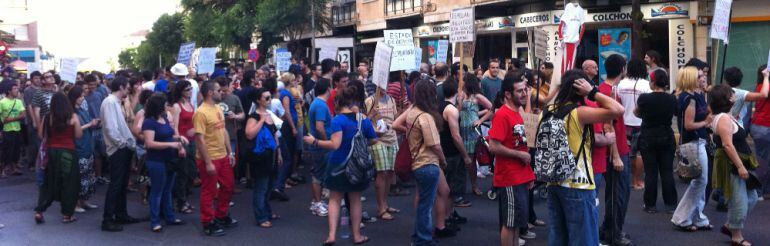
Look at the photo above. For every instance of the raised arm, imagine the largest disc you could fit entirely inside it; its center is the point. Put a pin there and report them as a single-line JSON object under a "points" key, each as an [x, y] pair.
{"points": [[762, 94]]}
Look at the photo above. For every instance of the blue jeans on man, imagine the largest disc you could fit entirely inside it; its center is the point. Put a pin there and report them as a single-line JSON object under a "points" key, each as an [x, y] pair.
{"points": [[427, 178], [573, 217], [616, 197]]}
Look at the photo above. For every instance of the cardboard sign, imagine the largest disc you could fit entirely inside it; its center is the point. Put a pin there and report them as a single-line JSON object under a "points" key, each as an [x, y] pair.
{"points": [[720, 26], [381, 68], [206, 60], [282, 59], [442, 51], [68, 69], [185, 53], [461, 25], [541, 43], [530, 127]]}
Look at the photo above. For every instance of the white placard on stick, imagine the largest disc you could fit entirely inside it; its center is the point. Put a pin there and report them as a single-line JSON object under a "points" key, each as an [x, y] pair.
{"points": [[206, 59], [282, 59], [68, 69], [185, 53], [541, 43], [720, 26], [402, 58], [381, 68], [461, 25], [400, 37]]}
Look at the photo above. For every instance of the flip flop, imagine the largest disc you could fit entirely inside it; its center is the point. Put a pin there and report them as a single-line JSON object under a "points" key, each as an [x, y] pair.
{"points": [[734, 243], [266, 224], [385, 215], [477, 192], [366, 240], [70, 219], [393, 210], [689, 228], [705, 228]]}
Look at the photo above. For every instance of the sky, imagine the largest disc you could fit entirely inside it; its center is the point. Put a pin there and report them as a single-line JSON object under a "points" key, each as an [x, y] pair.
{"points": [[93, 29]]}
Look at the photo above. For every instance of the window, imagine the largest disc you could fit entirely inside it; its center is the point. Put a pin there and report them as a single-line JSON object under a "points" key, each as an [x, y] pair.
{"points": [[397, 7]]}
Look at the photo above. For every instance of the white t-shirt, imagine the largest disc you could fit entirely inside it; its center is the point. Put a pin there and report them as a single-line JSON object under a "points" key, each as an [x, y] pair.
{"points": [[629, 91], [740, 108], [195, 89], [149, 85], [573, 19]]}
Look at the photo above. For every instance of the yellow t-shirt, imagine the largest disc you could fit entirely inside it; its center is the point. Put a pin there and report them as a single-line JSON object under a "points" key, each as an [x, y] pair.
{"points": [[583, 177], [423, 135], [209, 121]]}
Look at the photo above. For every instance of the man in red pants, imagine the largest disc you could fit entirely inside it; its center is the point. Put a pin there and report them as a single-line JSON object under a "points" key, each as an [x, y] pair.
{"points": [[214, 161]]}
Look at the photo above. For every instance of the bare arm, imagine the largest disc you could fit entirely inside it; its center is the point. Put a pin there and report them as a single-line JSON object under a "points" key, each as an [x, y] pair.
{"points": [[36, 120], [689, 118], [604, 139], [332, 144], [76, 124], [762, 94], [608, 109], [725, 131], [287, 115], [498, 148], [253, 126], [200, 144], [175, 111], [438, 151], [452, 117], [399, 124], [319, 128]]}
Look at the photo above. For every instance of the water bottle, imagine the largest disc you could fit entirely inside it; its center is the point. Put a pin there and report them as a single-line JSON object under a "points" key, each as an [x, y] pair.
{"points": [[344, 228]]}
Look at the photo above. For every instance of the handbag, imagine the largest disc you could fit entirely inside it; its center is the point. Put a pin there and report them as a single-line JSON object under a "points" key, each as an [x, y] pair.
{"points": [[483, 155], [687, 162], [405, 157]]}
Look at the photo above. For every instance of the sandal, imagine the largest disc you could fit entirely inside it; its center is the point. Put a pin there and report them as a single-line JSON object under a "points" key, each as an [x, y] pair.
{"points": [[705, 228], [157, 228], [328, 243], [393, 210], [39, 218], [266, 224], [689, 228], [385, 215], [741, 243], [539, 223], [726, 231], [186, 209], [366, 240], [69, 219], [477, 192]]}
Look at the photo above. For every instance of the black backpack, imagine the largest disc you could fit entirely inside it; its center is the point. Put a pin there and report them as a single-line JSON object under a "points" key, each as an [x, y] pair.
{"points": [[554, 162], [359, 167]]}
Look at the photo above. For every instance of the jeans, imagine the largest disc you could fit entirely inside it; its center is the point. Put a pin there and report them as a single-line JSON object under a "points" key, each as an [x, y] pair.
{"points": [[573, 217], [616, 198], [115, 199], [160, 192], [658, 157], [427, 178], [761, 136], [741, 202], [262, 210], [690, 208], [284, 171], [210, 191]]}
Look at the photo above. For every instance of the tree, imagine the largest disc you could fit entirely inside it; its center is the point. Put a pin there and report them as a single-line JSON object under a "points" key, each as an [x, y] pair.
{"points": [[292, 18], [636, 28], [126, 58], [162, 43]]}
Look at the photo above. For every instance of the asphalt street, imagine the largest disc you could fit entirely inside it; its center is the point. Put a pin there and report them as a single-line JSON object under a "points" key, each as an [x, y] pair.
{"points": [[18, 196]]}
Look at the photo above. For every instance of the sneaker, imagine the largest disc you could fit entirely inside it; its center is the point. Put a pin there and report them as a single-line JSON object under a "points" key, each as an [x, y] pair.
{"points": [[363, 198], [522, 242], [213, 229], [90, 205], [243, 181], [444, 233], [457, 219], [462, 203], [528, 235], [319, 209], [623, 242], [226, 222], [79, 210]]}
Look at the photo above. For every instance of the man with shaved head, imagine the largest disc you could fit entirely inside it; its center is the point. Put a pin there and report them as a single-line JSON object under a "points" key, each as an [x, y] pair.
{"points": [[592, 70]]}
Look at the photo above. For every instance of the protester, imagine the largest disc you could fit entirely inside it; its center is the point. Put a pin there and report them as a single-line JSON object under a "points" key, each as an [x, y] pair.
{"points": [[617, 192], [344, 127], [181, 73], [164, 148], [455, 153], [657, 143], [743, 98], [592, 71], [33, 142], [319, 120], [182, 112], [629, 90], [490, 85], [232, 107], [289, 131], [442, 75], [264, 158], [513, 175], [339, 81], [420, 123], [149, 80], [733, 162], [84, 149], [471, 99], [381, 109], [653, 61], [214, 161], [692, 118], [760, 129], [120, 145], [97, 92], [571, 204], [62, 179], [12, 113]]}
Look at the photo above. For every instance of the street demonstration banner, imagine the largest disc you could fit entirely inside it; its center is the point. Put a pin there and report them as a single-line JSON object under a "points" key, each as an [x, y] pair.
{"points": [[613, 41]]}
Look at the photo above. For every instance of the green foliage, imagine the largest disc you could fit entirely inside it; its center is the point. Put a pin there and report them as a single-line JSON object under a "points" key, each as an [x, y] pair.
{"points": [[126, 58], [162, 43], [291, 18]]}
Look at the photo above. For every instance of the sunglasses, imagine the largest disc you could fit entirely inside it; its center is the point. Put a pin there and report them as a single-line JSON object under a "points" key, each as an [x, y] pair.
{"points": [[188, 89], [266, 98]]}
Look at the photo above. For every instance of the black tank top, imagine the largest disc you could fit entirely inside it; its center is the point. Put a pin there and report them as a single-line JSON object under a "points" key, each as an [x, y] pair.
{"points": [[739, 139], [447, 144]]}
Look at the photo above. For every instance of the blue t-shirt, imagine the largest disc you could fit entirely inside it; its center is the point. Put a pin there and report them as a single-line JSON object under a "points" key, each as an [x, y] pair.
{"points": [[84, 146], [163, 133], [347, 124], [701, 111], [490, 86], [161, 85], [292, 103], [94, 101], [319, 112]]}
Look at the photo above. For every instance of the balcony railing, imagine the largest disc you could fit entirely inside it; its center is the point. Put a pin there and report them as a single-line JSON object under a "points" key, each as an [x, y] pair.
{"points": [[402, 7], [344, 14]]}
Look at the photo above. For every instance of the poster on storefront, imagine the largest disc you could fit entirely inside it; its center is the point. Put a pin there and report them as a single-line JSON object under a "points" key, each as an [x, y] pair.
{"points": [[327, 52], [680, 46], [541, 43], [282, 59], [613, 41], [68, 69], [185, 53], [554, 53], [442, 50], [432, 51], [381, 67], [720, 26], [206, 60], [461, 25], [417, 58]]}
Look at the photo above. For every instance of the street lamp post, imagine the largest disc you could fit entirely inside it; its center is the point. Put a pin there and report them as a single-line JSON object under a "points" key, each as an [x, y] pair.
{"points": [[312, 24]]}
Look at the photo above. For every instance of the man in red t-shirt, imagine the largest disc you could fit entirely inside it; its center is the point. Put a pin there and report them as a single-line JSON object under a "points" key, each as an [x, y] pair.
{"points": [[339, 80], [513, 175], [604, 137], [618, 177]]}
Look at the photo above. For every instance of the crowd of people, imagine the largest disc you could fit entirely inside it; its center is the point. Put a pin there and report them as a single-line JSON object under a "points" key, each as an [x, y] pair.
{"points": [[166, 132]]}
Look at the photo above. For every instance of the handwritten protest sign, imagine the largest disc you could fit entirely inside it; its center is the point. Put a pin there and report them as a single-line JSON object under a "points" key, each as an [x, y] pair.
{"points": [[461, 25], [185, 53], [206, 60], [530, 127], [68, 69], [381, 68]]}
